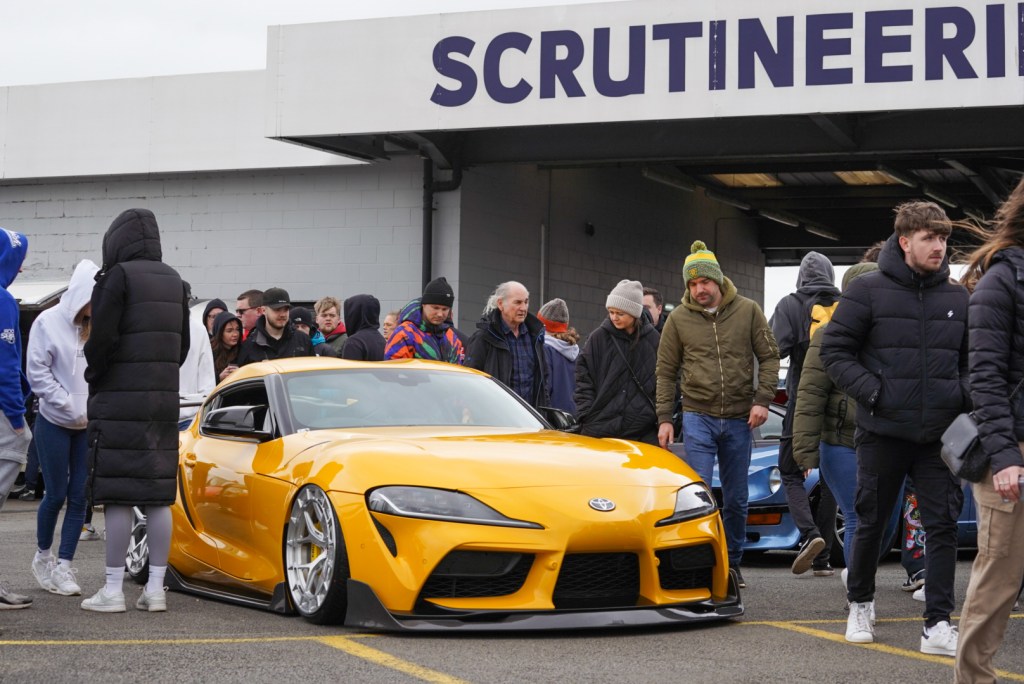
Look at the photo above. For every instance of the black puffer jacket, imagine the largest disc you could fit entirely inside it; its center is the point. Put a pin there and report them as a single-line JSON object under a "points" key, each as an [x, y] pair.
{"points": [[362, 317], [608, 401], [997, 356], [259, 346], [898, 345], [489, 353], [139, 339]]}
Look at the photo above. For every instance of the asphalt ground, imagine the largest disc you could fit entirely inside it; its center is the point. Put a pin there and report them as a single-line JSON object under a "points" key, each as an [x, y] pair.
{"points": [[792, 632]]}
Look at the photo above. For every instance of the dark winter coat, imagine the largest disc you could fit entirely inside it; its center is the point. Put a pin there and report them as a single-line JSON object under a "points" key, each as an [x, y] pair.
{"points": [[362, 316], [139, 338], [489, 353], [997, 357], [609, 402], [259, 346], [791, 321], [897, 344], [561, 357]]}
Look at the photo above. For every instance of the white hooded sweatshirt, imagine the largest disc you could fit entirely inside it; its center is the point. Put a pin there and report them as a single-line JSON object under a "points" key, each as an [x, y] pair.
{"points": [[56, 360]]}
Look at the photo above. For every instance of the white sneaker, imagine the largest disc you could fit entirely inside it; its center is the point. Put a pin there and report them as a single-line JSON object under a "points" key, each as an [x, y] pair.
{"points": [[941, 639], [858, 626], [155, 602], [89, 533], [918, 595], [843, 576], [63, 580], [101, 602], [12, 601], [42, 571]]}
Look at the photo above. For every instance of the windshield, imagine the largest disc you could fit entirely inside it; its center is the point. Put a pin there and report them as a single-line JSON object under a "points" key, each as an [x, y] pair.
{"points": [[401, 396]]}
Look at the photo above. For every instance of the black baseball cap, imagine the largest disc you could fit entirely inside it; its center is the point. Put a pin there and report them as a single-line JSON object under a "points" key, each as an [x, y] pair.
{"points": [[276, 298]]}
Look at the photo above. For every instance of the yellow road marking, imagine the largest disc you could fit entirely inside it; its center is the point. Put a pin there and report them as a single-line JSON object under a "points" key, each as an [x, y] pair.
{"points": [[796, 626], [170, 642], [345, 644]]}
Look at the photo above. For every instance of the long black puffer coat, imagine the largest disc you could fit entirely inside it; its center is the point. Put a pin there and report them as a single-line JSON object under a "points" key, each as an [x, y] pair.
{"points": [[898, 345], [139, 338], [608, 401], [997, 357]]}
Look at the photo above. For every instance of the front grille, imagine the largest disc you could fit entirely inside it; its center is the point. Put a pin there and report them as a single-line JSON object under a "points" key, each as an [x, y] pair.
{"points": [[598, 580], [688, 567], [475, 574]]}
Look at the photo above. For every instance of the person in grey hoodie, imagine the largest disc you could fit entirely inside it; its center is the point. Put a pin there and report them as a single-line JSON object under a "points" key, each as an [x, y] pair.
{"points": [[791, 323], [561, 349], [56, 372]]}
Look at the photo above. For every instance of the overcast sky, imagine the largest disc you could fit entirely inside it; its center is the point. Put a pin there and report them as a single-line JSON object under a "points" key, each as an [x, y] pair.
{"points": [[52, 41]]}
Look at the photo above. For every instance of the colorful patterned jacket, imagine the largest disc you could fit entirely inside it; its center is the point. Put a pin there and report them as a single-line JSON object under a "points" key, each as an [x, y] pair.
{"points": [[414, 339]]}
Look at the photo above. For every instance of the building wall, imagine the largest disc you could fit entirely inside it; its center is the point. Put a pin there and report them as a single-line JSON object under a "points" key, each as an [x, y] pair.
{"points": [[315, 231], [641, 231]]}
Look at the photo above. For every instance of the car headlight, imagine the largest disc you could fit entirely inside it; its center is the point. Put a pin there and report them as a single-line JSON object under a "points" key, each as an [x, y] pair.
{"points": [[692, 501], [774, 480], [439, 504]]}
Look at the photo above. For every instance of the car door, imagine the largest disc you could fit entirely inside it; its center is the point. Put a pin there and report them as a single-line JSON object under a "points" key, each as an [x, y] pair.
{"points": [[218, 476]]}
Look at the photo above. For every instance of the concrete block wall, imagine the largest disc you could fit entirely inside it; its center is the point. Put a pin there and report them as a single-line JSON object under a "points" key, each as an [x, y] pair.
{"points": [[641, 231], [314, 231]]}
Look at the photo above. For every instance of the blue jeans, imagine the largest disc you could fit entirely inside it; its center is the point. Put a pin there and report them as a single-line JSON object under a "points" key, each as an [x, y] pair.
{"points": [[706, 437], [64, 463]]}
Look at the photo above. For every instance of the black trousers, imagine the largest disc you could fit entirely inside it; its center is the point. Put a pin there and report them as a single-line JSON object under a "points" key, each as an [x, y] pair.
{"points": [[882, 464], [823, 523]]}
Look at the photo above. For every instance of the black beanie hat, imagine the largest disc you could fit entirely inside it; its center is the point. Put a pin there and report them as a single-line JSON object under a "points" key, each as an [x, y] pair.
{"points": [[438, 292]]}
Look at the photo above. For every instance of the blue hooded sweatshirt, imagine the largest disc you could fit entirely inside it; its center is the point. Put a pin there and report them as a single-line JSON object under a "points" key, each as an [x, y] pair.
{"points": [[13, 383]]}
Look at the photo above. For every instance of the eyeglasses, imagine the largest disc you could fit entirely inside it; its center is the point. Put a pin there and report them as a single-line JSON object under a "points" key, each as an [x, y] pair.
{"points": [[242, 311]]}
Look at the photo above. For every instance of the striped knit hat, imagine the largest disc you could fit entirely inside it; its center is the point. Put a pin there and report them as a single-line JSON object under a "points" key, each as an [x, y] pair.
{"points": [[701, 263]]}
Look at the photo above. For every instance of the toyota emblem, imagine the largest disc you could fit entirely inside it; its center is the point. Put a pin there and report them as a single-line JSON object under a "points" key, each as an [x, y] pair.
{"points": [[604, 505]]}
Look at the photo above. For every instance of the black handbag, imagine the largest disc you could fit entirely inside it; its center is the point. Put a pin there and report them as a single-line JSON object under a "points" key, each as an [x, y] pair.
{"points": [[961, 445]]}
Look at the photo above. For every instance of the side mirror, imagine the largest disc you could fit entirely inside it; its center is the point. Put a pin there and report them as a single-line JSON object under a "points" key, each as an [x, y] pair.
{"points": [[237, 421], [560, 420]]}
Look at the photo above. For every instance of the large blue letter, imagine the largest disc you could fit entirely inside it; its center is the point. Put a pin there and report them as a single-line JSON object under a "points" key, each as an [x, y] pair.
{"points": [[460, 71], [754, 42], [676, 35], [995, 40], [498, 91], [716, 55], [937, 47], [633, 84], [877, 45], [552, 68], [819, 47]]}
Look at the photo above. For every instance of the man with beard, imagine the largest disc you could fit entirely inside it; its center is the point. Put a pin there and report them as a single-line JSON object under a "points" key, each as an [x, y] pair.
{"points": [[274, 336]]}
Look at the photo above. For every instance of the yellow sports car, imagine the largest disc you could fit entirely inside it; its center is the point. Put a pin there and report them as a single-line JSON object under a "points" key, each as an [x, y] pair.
{"points": [[415, 495]]}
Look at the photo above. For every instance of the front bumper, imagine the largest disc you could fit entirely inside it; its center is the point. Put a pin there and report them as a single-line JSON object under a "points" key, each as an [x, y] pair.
{"points": [[366, 611]]}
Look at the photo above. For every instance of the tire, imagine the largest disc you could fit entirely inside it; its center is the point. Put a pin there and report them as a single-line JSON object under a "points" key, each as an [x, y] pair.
{"points": [[315, 559], [136, 561], [836, 557]]}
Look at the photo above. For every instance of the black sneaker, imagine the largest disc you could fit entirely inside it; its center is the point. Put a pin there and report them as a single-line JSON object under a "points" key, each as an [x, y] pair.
{"points": [[809, 550], [740, 582], [914, 582], [823, 570], [28, 495]]}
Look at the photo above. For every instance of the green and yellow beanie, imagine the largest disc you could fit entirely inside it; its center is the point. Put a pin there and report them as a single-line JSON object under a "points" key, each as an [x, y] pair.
{"points": [[701, 263]]}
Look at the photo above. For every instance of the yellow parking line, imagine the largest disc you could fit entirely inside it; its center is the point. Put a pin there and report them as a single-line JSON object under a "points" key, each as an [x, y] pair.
{"points": [[879, 648], [344, 643], [169, 642]]}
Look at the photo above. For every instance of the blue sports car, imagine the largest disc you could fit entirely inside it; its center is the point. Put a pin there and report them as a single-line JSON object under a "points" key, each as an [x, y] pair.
{"points": [[770, 526]]}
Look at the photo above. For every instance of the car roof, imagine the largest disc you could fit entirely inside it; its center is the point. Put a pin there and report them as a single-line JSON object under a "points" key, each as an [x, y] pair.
{"points": [[314, 363], [36, 295]]}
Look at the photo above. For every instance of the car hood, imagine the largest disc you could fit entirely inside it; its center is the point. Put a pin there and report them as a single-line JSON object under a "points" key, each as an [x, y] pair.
{"points": [[483, 458]]}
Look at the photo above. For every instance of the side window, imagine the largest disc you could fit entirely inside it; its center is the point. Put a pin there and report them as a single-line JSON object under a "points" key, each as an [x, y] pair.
{"points": [[246, 394]]}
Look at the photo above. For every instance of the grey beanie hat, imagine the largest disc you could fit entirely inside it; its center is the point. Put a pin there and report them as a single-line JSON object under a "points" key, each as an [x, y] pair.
{"points": [[556, 311], [627, 296]]}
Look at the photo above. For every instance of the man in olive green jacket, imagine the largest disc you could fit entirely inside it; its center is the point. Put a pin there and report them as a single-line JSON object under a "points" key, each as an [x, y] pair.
{"points": [[715, 338]]}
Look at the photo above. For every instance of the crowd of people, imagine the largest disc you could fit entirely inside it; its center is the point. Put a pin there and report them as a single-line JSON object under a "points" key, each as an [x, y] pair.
{"points": [[877, 372]]}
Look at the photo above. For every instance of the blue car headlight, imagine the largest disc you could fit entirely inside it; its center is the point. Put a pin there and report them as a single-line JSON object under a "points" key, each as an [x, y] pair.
{"points": [[439, 504], [692, 501]]}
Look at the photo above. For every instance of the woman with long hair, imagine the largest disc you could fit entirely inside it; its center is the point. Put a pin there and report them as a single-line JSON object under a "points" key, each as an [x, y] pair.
{"points": [[615, 381], [227, 335], [56, 371], [996, 328]]}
